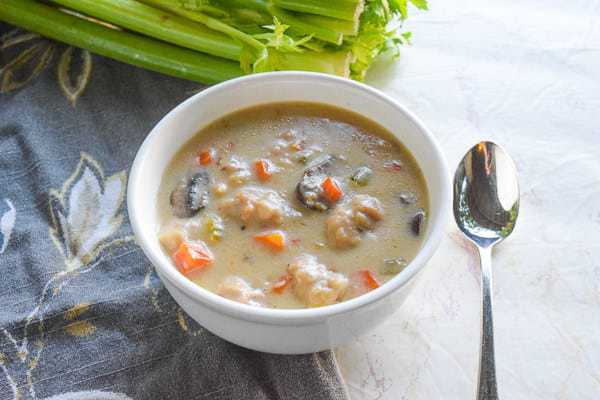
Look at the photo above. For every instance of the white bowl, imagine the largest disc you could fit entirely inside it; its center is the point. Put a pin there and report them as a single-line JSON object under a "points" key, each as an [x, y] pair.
{"points": [[276, 330]]}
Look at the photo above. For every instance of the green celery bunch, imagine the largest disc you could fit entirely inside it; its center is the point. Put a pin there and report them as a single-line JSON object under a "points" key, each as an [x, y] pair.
{"points": [[213, 40]]}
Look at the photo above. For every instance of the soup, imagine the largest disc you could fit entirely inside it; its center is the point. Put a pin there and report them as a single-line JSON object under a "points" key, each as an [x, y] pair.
{"points": [[292, 205]]}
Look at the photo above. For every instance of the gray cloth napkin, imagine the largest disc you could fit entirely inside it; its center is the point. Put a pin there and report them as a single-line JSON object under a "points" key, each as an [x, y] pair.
{"points": [[82, 313]]}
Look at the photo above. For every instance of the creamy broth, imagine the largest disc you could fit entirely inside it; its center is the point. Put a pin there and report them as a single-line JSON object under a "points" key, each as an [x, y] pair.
{"points": [[292, 137]]}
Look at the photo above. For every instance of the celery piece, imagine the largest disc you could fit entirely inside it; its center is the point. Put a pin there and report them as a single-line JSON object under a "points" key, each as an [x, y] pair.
{"points": [[362, 176], [393, 266]]}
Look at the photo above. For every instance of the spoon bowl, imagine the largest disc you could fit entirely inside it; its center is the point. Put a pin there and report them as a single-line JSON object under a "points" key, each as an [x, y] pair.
{"points": [[486, 194]]}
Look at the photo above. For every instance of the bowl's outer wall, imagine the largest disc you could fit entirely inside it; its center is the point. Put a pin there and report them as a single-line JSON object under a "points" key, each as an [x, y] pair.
{"points": [[234, 322], [291, 339]]}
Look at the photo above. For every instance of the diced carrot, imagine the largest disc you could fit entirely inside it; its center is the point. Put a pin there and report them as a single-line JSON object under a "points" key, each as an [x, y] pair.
{"points": [[369, 279], [281, 284], [205, 157], [263, 169], [192, 256], [331, 189], [274, 239]]}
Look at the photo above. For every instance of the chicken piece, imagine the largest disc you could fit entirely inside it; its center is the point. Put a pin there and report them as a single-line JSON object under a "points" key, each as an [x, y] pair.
{"points": [[234, 164], [340, 229], [348, 220], [177, 232], [367, 210], [314, 284], [171, 238], [194, 229], [219, 189], [238, 170], [288, 135], [278, 147], [262, 206], [237, 289], [240, 177]]}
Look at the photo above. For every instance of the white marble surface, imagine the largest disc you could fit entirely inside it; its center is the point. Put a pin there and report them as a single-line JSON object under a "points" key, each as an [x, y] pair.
{"points": [[524, 73]]}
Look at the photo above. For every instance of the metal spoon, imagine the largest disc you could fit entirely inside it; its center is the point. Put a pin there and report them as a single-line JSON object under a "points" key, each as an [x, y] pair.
{"points": [[486, 205]]}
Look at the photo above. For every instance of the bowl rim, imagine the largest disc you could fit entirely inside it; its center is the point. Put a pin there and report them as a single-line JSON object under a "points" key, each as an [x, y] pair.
{"points": [[287, 316]]}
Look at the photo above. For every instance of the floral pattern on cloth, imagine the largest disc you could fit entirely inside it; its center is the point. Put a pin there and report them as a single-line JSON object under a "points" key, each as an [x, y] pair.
{"points": [[7, 223], [28, 54], [85, 214], [83, 314]]}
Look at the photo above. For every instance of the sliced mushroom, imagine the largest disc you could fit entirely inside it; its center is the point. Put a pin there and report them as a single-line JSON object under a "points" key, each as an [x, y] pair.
{"points": [[309, 191], [191, 195], [416, 224]]}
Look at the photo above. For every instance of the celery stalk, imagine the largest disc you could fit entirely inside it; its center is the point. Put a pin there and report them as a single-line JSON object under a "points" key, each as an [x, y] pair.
{"points": [[255, 5], [331, 62], [300, 27], [347, 28], [212, 23], [341, 37], [156, 23], [349, 10], [120, 45], [298, 24]]}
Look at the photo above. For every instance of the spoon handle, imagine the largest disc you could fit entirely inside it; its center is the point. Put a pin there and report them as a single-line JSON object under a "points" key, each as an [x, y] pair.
{"points": [[486, 387]]}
